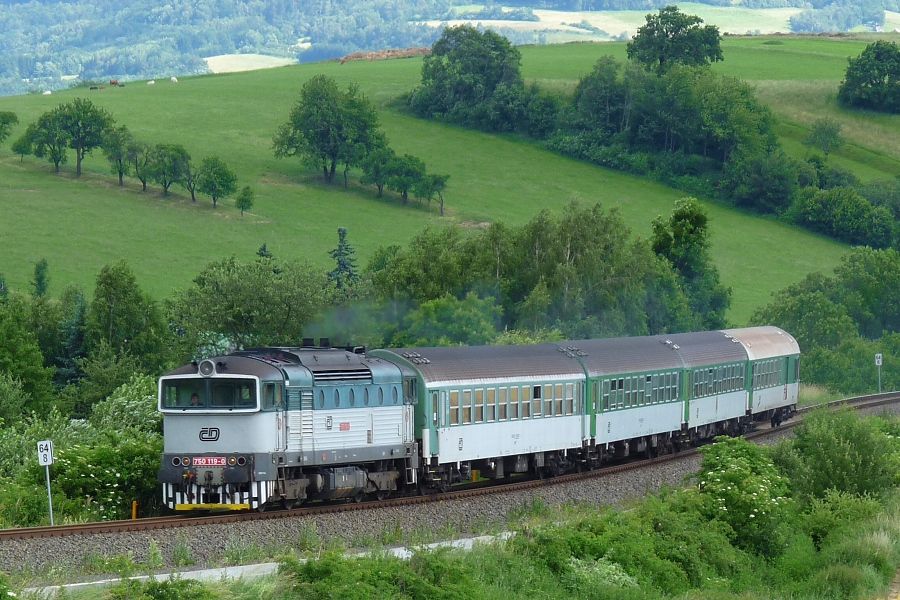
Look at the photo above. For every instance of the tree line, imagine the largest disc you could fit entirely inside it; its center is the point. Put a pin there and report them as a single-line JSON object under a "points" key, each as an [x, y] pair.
{"points": [[662, 114], [82, 126], [330, 128]]}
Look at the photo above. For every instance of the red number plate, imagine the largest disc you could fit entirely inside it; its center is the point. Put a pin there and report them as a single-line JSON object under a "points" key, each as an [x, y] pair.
{"points": [[209, 461]]}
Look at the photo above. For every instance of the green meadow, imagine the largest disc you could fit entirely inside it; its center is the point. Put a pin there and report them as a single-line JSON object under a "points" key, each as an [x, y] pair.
{"points": [[80, 225]]}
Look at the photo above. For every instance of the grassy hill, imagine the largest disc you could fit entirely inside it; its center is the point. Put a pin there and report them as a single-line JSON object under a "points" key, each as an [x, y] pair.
{"points": [[80, 225]]}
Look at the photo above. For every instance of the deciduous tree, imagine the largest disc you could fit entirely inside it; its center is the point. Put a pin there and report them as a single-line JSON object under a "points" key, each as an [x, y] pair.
{"points": [[116, 141], [404, 172], [244, 200], [7, 120], [85, 124], [139, 155], [49, 139], [872, 79], [671, 37], [168, 164], [216, 179], [825, 135]]}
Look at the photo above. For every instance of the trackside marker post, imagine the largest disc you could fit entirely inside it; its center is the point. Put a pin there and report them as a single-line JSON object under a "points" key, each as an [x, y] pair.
{"points": [[45, 459], [878, 360]]}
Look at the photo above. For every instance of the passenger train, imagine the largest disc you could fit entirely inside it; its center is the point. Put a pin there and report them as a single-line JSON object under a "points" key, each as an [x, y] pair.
{"points": [[276, 427]]}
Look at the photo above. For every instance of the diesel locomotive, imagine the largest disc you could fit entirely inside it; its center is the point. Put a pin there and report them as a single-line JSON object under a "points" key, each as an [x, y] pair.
{"points": [[281, 426]]}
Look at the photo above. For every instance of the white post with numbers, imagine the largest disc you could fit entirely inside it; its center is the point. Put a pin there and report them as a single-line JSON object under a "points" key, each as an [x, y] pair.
{"points": [[878, 360], [45, 459]]}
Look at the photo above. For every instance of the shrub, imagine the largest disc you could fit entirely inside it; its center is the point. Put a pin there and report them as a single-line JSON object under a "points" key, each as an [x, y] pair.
{"points": [[843, 214], [825, 515], [742, 488], [839, 451]]}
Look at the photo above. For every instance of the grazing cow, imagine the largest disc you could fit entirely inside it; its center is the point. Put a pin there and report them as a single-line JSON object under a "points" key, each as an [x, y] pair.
{"points": [[46, 93], [151, 82], [94, 87], [173, 79], [114, 82]]}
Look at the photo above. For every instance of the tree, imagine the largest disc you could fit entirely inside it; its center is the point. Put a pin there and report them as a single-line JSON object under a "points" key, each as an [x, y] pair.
{"points": [[116, 142], [376, 167], [20, 353], [327, 126], [139, 155], [447, 320], [683, 239], [85, 124], [825, 135], [670, 37], [124, 317], [40, 282], [244, 200], [189, 181], [344, 275], [404, 172], [168, 164], [7, 120], [246, 304], [430, 185], [473, 78], [264, 252], [872, 79], [49, 139], [216, 179], [24, 143]]}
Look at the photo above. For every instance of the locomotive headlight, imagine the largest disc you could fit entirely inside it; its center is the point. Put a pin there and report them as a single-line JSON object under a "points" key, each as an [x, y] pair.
{"points": [[231, 460], [241, 461], [186, 461], [207, 368], [176, 461]]}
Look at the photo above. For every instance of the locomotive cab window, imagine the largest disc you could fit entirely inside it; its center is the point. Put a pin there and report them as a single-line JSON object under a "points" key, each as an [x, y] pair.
{"points": [[273, 396], [209, 394]]}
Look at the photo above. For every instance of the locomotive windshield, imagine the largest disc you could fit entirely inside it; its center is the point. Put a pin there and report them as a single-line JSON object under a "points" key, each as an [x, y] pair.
{"points": [[203, 393]]}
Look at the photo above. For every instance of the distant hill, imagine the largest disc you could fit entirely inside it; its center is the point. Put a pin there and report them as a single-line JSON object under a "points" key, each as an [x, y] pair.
{"points": [[48, 44], [80, 225]]}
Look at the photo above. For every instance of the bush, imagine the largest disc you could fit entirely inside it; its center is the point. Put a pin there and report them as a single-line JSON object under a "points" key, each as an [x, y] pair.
{"points": [[842, 452], [843, 214], [825, 515], [742, 488]]}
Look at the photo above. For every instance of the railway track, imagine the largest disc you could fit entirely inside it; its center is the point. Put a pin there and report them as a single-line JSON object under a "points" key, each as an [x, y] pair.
{"points": [[167, 522]]}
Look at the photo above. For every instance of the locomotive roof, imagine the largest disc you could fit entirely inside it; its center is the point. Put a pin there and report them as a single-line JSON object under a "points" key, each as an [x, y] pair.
{"points": [[765, 342], [303, 365]]}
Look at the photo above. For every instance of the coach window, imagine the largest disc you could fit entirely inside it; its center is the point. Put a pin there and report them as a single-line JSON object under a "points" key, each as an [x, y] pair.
{"points": [[491, 407], [548, 401], [467, 406], [570, 399], [479, 406], [535, 393], [501, 404], [527, 407], [454, 407], [514, 403]]}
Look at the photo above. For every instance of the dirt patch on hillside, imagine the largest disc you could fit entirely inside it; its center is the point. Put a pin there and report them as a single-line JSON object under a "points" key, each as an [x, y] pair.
{"points": [[386, 54]]}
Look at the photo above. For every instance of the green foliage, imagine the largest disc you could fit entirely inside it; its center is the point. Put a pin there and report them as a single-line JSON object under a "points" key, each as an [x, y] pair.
{"points": [[48, 138], [344, 275], [839, 451], [327, 126], [742, 487], [404, 172], [834, 512], [101, 372], [872, 79], [41, 281], [764, 181], [263, 302], [20, 354], [107, 475], [216, 179], [426, 575], [683, 240], [7, 120], [161, 589], [84, 125], [139, 155], [825, 135], [447, 321], [124, 317], [115, 144], [670, 37], [472, 78], [843, 214], [130, 407], [244, 199], [168, 164], [13, 398]]}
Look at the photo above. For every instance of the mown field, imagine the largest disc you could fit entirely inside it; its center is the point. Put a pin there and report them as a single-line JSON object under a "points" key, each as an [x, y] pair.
{"points": [[80, 225]]}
